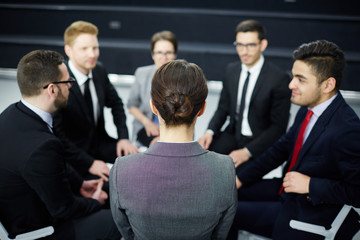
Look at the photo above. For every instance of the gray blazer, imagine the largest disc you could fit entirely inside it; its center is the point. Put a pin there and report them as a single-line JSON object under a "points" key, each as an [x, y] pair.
{"points": [[173, 191], [140, 94]]}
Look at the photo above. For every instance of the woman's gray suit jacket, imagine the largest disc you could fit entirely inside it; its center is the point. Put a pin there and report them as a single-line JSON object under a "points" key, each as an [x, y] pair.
{"points": [[173, 191]]}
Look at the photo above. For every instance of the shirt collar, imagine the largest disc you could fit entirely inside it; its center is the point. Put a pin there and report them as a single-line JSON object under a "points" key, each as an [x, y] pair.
{"points": [[79, 76], [256, 68], [45, 116], [319, 109]]}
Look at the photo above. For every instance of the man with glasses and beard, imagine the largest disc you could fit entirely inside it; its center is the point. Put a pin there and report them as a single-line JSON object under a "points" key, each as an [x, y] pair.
{"points": [[37, 187]]}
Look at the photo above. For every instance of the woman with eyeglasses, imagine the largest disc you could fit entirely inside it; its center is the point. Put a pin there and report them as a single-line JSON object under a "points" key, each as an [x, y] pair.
{"points": [[175, 189], [145, 125]]}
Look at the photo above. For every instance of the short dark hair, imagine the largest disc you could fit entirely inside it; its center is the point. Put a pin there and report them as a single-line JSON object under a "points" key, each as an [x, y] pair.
{"points": [[164, 35], [325, 58], [251, 26], [36, 69], [179, 91]]}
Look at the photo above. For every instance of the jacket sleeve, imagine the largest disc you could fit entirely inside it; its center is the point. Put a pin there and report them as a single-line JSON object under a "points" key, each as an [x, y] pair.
{"points": [[274, 156], [45, 172], [74, 155], [134, 97], [279, 116], [119, 215], [343, 186], [113, 101], [222, 229], [223, 109]]}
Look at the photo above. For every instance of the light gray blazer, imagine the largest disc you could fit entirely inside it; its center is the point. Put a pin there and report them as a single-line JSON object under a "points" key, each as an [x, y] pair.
{"points": [[140, 94], [173, 191]]}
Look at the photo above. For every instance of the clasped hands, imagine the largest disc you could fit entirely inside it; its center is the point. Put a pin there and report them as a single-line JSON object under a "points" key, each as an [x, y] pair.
{"points": [[93, 189]]}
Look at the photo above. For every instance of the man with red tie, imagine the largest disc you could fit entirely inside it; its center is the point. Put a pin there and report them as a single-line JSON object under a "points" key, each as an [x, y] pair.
{"points": [[321, 151]]}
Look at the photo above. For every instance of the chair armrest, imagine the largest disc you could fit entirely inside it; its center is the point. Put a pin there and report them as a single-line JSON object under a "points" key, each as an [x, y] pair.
{"points": [[39, 233], [308, 227]]}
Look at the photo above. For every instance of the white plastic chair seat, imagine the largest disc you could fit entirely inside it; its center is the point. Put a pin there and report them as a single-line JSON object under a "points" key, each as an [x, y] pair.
{"points": [[330, 233], [42, 232]]}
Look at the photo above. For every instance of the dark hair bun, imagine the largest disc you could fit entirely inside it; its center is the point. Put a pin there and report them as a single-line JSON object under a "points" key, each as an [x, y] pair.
{"points": [[178, 106]]}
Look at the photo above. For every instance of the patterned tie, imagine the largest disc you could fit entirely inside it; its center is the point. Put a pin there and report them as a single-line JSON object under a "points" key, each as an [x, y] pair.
{"points": [[238, 125], [88, 99], [298, 144]]}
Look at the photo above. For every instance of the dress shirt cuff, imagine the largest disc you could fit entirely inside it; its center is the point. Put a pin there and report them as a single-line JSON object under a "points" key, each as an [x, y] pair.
{"points": [[210, 131], [246, 149]]}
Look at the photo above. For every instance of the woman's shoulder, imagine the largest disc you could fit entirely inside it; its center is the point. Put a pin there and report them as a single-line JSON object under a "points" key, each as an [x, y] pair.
{"points": [[145, 69]]}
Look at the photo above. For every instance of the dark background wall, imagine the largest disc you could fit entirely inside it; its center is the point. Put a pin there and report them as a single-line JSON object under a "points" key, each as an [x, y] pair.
{"points": [[205, 30]]}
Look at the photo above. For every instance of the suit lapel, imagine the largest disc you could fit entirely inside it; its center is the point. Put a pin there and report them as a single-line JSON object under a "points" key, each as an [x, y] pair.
{"points": [[319, 127], [235, 79], [98, 87], [76, 93], [260, 81]]}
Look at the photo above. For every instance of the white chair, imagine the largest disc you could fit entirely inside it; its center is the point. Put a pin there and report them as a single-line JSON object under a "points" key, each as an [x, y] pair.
{"points": [[330, 233], [42, 232]]}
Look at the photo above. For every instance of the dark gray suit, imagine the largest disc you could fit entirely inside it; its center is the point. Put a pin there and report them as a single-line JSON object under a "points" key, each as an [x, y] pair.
{"points": [[173, 191]]}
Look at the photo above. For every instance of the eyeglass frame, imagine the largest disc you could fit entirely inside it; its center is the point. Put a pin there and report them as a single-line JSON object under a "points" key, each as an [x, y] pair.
{"points": [[166, 54], [71, 80], [247, 46]]}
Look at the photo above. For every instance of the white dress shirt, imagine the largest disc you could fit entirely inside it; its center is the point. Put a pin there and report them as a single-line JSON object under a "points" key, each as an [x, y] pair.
{"points": [[317, 111], [254, 74]]}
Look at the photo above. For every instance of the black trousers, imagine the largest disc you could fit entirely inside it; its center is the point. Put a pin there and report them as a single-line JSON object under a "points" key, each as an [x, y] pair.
{"points": [[96, 226], [225, 142], [260, 211], [143, 138]]}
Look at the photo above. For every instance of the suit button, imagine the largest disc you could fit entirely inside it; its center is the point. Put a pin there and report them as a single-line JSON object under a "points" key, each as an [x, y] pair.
{"points": [[308, 198]]}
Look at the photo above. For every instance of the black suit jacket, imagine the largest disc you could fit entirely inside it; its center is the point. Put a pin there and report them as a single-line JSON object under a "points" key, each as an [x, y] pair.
{"points": [[269, 105], [330, 156], [35, 186], [75, 128]]}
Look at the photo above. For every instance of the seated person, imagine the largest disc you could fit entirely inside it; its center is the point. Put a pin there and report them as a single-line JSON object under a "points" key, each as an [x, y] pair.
{"points": [[175, 189], [254, 97], [321, 151], [81, 124], [145, 125], [37, 188]]}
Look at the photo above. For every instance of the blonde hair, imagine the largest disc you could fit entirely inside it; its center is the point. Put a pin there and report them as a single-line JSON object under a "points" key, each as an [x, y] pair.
{"points": [[77, 28]]}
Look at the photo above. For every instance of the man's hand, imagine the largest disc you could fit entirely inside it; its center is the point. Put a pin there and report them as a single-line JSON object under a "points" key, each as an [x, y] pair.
{"points": [[93, 189], [99, 168], [126, 146], [238, 182], [239, 156], [206, 140], [296, 182], [151, 128], [155, 139]]}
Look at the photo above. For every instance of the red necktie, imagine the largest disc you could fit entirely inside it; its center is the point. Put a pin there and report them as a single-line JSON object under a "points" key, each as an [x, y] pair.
{"points": [[298, 144]]}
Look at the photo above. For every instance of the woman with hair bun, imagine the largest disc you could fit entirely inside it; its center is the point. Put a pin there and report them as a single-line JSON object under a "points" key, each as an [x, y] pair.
{"points": [[175, 189]]}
